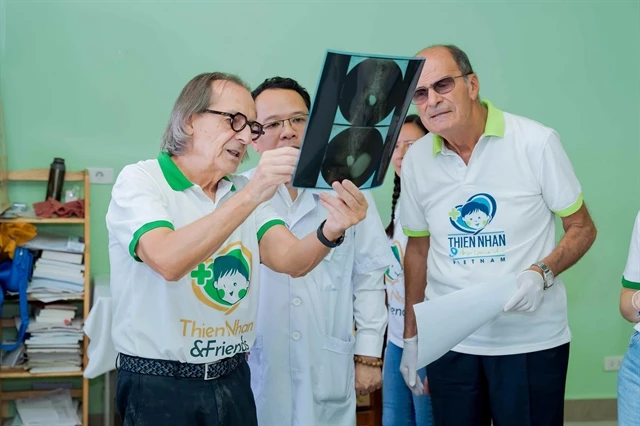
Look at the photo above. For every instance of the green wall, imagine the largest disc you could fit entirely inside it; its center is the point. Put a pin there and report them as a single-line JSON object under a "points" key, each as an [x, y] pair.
{"points": [[94, 82]]}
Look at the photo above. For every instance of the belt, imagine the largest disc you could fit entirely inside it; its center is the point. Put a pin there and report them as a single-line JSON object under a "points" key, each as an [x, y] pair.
{"points": [[158, 367]]}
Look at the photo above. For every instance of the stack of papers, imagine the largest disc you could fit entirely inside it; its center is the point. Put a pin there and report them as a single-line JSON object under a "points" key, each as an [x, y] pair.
{"points": [[54, 408], [12, 358], [58, 274], [48, 290], [54, 344]]}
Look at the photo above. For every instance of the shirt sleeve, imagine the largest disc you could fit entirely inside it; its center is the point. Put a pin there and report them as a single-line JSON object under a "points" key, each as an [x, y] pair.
{"points": [[371, 242], [561, 190], [412, 215], [137, 206], [631, 275], [266, 218], [372, 258], [369, 312]]}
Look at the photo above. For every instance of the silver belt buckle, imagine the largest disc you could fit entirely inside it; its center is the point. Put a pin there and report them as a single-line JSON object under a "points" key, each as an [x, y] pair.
{"points": [[206, 370]]}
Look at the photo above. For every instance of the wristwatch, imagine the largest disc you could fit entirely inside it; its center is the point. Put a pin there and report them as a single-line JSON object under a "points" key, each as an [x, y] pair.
{"points": [[547, 275], [324, 240]]}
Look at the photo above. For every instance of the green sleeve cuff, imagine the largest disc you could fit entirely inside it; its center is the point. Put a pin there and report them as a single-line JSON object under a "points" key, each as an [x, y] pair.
{"points": [[409, 233], [572, 208], [143, 230], [630, 284], [264, 228]]}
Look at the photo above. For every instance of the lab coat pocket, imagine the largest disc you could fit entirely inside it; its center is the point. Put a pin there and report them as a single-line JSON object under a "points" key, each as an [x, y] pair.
{"points": [[334, 375]]}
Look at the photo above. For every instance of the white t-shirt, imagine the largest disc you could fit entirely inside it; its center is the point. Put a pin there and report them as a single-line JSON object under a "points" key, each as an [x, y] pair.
{"points": [[493, 217], [210, 313], [631, 275], [394, 279]]}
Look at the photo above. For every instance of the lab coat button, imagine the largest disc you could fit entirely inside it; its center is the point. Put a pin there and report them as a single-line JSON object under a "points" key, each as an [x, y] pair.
{"points": [[296, 336], [296, 302]]}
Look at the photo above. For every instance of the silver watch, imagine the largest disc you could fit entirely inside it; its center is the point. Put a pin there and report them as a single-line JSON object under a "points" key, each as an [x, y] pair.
{"points": [[547, 275]]}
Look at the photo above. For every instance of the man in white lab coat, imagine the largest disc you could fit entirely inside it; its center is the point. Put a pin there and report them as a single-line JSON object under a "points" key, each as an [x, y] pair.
{"points": [[307, 366]]}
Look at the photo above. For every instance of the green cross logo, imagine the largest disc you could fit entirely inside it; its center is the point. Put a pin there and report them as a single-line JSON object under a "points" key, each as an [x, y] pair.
{"points": [[454, 214], [202, 274]]}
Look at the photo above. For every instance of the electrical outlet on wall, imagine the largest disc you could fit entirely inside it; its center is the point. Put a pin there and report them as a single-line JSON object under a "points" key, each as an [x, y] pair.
{"points": [[612, 363], [100, 175]]}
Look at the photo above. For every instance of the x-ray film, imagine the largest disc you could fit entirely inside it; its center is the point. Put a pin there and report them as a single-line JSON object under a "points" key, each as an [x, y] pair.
{"points": [[360, 105]]}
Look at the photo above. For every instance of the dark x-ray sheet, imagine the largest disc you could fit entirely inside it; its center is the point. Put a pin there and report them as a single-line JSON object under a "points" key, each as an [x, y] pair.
{"points": [[360, 105]]}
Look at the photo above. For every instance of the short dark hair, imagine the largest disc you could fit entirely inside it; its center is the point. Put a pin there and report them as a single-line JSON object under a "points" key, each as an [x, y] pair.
{"points": [[283, 83], [415, 119], [458, 55]]}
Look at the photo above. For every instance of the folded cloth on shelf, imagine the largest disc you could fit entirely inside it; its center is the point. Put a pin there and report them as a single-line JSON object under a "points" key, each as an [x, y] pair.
{"points": [[54, 207]]}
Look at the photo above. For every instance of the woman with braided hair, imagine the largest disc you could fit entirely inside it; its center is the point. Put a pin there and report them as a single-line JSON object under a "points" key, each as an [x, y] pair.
{"points": [[399, 405]]}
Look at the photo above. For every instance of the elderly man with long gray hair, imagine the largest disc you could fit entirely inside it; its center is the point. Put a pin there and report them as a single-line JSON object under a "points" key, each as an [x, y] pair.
{"points": [[186, 238]]}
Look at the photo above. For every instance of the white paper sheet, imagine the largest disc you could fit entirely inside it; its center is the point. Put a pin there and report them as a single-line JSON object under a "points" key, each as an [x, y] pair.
{"points": [[101, 352], [446, 321]]}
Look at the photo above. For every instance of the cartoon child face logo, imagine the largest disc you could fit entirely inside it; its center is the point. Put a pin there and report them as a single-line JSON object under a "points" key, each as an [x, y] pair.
{"points": [[395, 270], [230, 278], [474, 215], [221, 282]]}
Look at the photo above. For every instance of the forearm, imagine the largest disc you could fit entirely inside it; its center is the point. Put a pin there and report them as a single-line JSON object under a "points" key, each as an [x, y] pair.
{"points": [[369, 312], [574, 244], [174, 254], [627, 310], [415, 282], [303, 255]]}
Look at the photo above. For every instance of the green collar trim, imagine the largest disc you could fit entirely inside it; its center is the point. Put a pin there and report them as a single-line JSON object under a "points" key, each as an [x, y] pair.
{"points": [[233, 187], [175, 178], [493, 127]]}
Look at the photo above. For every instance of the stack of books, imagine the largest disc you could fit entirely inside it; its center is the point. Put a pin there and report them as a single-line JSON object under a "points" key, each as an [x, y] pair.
{"points": [[58, 274], [55, 337]]}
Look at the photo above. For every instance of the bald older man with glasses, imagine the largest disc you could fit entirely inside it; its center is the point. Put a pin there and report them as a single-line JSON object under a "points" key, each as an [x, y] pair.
{"points": [[479, 198]]}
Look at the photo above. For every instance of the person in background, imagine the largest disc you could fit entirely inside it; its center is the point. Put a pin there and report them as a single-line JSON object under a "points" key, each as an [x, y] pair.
{"points": [[307, 365], [629, 374], [187, 237], [399, 406]]}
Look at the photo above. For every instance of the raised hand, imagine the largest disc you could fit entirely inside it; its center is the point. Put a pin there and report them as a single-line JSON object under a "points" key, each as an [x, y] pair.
{"points": [[275, 167], [345, 210]]}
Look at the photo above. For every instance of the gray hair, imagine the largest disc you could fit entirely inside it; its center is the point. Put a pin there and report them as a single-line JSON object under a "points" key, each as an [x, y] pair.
{"points": [[459, 56], [194, 98]]}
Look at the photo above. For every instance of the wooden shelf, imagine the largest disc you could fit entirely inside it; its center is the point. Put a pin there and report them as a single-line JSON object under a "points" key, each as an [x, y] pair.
{"points": [[14, 299], [12, 396], [19, 373], [41, 176], [44, 220]]}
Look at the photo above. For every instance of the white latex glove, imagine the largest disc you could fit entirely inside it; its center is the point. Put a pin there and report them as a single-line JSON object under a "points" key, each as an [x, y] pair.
{"points": [[529, 295], [408, 365]]}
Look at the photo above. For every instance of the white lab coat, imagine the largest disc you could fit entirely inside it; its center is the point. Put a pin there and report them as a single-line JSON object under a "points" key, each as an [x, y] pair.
{"points": [[302, 368]]}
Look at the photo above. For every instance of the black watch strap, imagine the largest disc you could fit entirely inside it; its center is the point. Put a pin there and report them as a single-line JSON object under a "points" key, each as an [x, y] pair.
{"points": [[324, 240]]}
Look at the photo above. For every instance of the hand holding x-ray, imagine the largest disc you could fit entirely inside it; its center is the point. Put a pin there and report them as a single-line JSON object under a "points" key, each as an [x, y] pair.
{"points": [[346, 209]]}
